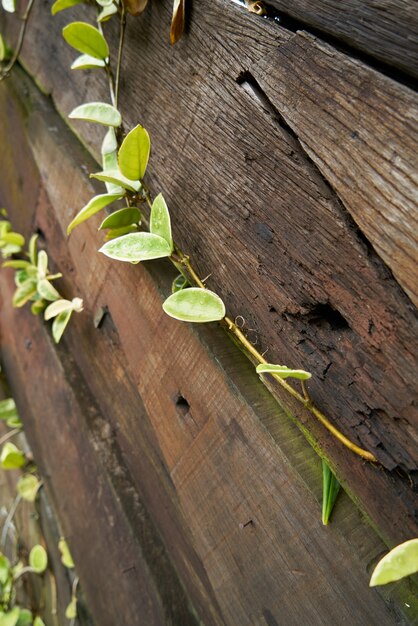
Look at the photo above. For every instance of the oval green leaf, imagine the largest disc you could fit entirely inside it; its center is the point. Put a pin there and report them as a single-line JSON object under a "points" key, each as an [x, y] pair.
{"points": [[114, 233], [37, 307], [400, 562], [98, 112], [9, 5], [10, 618], [28, 487], [33, 254], [71, 610], [38, 559], [25, 618], [134, 153], [59, 324], [136, 247], [24, 293], [11, 457], [8, 409], [16, 239], [47, 291], [38, 621], [57, 307], [110, 144], [87, 62], [282, 371], [195, 305], [106, 13], [95, 205], [4, 569], [16, 265], [87, 39], [115, 177], [60, 5], [160, 223], [121, 218], [42, 264], [66, 558]]}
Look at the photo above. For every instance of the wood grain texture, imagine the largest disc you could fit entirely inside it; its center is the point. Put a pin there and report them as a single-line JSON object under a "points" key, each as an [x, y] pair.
{"points": [[243, 194], [223, 466], [387, 30], [361, 130]]}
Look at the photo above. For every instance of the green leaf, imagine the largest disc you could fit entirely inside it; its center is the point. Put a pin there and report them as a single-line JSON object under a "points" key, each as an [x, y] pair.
{"points": [[38, 622], [66, 558], [282, 371], [59, 325], [14, 422], [33, 254], [60, 5], [4, 569], [17, 265], [110, 144], [9, 5], [134, 153], [24, 293], [25, 618], [37, 307], [114, 233], [115, 177], [11, 457], [195, 305], [136, 247], [42, 264], [400, 562], [106, 13], [86, 39], [179, 283], [98, 112], [5, 52], [330, 489], [27, 487], [10, 618], [86, 62], [7, 409], [160, 223], [123, 217], [38, 559], [16, 239], [95, 205], [47, 291], [61, 306], [71, 610]]}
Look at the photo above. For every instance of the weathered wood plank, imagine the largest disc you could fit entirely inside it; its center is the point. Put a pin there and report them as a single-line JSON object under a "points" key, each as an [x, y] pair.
{"points": [[386, 30], [223, 464], [361, 130], [346, 321]]}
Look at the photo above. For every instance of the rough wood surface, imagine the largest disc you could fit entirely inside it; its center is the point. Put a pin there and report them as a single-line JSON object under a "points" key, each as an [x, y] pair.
{"points": [[387, 30], [118, 428], [255, 212]]}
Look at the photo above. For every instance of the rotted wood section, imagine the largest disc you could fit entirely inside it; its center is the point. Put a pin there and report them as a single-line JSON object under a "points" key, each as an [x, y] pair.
{"points": [[288, 167]]}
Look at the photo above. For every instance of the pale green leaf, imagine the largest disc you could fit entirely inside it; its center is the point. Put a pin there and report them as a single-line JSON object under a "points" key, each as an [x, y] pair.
{"points": [[16, 239], [400, 562], [106, 13], [11, 457], [195, 305], [104, 3], [4, 569], [60, 5], [38, 621], [86, 39], [57, 307], [10, 618], [37, 307], [282, 371], [330, 489], [66, 558], [95, 205], [87, 62], [16, 264], [25, 618], [47, 291], [33, 254], [136, 247], [134, 153], [42, 264], [110, 144], [28, 487], [24, 293], [115, 177], [121, 218], [110, 162], [9, 5], [98, 112], [38, 559], [160, 223], [14, 422], [59, 324], [7, 409], [71, 610]]}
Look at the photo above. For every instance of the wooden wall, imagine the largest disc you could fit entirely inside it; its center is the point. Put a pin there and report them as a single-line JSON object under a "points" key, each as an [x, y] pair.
{"points": [[287, 153]]}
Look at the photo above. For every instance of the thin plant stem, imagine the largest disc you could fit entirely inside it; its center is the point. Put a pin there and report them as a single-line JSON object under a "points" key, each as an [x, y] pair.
{"points": [[9, 435], [9, 520], [6, 71], [120, 51]]}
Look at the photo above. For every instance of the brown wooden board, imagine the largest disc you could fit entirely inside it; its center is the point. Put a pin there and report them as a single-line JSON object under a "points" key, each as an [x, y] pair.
{"points": [[244, 191], [203, 470], [386, 30]]}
